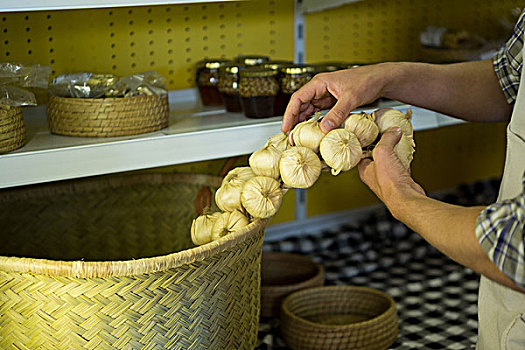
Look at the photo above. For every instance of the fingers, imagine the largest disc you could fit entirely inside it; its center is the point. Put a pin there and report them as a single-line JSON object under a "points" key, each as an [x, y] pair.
{"points": [[337, 115], [301, 100], [388, 141]]}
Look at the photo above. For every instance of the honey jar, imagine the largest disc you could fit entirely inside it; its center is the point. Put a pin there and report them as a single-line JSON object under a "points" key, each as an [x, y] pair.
{"points": [[207, 76], [228, 86], [258, 87]]}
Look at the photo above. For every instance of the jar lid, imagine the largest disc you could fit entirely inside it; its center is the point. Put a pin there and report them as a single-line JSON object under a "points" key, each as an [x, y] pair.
{"points": [[251, 60], [329, 66], [257, 71], [212, 63], [231, 67], [276, 65], [298, 69]]}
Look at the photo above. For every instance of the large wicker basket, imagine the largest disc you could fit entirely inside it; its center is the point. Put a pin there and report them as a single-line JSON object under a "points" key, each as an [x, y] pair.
{"points": [[107, 263], [12, 128], [107, 117]]}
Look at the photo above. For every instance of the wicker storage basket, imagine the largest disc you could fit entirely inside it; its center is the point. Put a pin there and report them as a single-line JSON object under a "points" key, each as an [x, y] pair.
{"points": [[107, 117], [91, 265], [12, 128], [339, 317], [284, 273]]}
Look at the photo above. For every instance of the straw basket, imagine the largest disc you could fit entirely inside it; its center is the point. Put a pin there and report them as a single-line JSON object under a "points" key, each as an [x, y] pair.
{"points": [[12, 128], [339, 317], [284, 273], [107, 117], [107, 263]]}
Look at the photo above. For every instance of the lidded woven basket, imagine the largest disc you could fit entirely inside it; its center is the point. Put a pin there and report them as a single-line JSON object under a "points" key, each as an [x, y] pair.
{"points": [[12, 128], [107, 117], [108, 263]]}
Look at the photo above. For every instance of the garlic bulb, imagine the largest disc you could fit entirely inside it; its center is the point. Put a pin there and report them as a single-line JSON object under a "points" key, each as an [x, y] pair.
{"points": [[300, 167], [308, 134], [201, 228], [265, 162], [238, 175], [363, 126], [386, 118], [405, 149], [341, 150], [228, 196], [261, 196], [228, 222], [279, 141]]}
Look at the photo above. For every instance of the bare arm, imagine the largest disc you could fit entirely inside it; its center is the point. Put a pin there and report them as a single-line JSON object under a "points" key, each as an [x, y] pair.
{"points": [[449, 228], [469, 90]]}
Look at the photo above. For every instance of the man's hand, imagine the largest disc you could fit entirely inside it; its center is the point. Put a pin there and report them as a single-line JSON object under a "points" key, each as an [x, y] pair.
{"points": [[385, 174], [345, 90]]}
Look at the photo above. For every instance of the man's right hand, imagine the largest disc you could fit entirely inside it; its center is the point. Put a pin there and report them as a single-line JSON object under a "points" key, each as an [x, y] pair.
{"points": [[342, 91]]}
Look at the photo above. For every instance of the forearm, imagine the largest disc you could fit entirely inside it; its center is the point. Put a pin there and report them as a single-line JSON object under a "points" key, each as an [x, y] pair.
{"points": [[450, 229], [468, 90]]}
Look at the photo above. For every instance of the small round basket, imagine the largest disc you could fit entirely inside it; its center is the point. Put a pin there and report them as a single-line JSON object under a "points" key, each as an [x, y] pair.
{"points": [[107, 117], [284, 273], [339, 317], [108, 263], [12, 128]]}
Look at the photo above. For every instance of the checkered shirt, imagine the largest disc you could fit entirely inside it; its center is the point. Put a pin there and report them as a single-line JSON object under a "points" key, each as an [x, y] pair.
{"points": [[508, 61], [500, 229]]}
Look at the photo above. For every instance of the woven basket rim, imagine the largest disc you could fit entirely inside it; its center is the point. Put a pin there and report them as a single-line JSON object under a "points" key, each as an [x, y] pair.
{"points": [[150, 265], [270, 289], [108, 99], [338, 328]]}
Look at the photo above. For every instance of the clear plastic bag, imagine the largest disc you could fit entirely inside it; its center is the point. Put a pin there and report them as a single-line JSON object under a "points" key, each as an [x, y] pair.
{"points": [[17, 80], [91, 85]]}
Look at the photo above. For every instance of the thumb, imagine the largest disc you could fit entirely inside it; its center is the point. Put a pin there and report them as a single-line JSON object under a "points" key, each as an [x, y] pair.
{"points": [[337, 115], [389, 139]]}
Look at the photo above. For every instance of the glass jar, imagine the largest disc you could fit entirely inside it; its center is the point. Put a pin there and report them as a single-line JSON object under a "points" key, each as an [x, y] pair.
{"points": [[258, 87], [207, 77], [293, 77], [281, 101], [251, 60], [228, 84]]}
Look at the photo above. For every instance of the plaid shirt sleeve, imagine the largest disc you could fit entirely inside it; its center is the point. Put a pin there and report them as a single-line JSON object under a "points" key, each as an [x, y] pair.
{"points": [[500, 229], [508, 62]]}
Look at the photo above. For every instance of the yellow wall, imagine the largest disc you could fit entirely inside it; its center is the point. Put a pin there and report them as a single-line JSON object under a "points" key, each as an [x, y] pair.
{"points": [[170, 39], [383, 30]]}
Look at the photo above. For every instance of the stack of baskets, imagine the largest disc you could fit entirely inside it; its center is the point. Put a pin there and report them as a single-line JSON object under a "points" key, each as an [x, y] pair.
{"points": [[12, 128], [108, 263]]}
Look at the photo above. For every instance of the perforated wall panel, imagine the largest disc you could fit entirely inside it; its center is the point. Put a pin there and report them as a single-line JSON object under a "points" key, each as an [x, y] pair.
{"points": [[168, 39], [382, 30]]}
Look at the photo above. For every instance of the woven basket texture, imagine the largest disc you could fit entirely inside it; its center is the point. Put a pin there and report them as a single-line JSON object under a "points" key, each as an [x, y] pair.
{"points": [[284, 273], [107, 263], [12, 128], [339, 317], [107, 117]]}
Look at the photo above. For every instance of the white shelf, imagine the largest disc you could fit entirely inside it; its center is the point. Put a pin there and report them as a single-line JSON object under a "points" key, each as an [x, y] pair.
{"points": [[39, 5], [194, 134]]}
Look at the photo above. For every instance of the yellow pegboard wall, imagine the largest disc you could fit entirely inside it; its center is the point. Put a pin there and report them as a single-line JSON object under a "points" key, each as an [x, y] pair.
{"points": [[168, 39], [384, 30]]}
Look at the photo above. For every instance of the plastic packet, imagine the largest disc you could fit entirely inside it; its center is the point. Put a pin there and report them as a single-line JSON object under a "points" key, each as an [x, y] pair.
{"points": [[17, 81], [147, 83], [90, 85], [83, 85]]}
